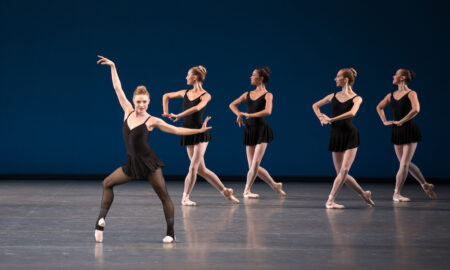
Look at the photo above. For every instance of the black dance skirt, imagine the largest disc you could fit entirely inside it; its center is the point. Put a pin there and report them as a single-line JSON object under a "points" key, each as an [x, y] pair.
{"points": [[256, 134], [409, 132], [195, 138]]}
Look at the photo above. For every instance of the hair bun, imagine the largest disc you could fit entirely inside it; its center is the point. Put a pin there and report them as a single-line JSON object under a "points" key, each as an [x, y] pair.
{"points": [[354, 72], [412, 74], [141, 88], [202, 69], [267, 70]]}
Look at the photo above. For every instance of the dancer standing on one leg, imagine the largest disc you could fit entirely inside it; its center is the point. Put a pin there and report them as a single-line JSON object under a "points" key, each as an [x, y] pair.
{"points": [[194, 103], [142, 162], [344, 138], [258, 133], [405, 132]]}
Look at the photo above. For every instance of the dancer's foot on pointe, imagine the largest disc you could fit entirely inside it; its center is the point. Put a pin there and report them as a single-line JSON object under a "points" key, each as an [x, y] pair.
{"points": [[428, 188], [399, 198], [334, 205], [278, 187], [99, 227], [228, 193], [367, 198], [251, 195], [168, 239], [330, 204], [186, 201]]}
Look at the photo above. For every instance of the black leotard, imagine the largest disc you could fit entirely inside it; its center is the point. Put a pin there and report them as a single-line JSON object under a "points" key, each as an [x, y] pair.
{"points": [[409, 132], [257, 130], [141, 160], [344, 135], [193, 121]]}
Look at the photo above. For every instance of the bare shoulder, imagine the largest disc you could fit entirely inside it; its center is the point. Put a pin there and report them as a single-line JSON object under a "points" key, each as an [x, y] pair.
{"points": [[154, 121], [127, 112], [412, 93], [243, 96], [206, 95], [358, 99]]}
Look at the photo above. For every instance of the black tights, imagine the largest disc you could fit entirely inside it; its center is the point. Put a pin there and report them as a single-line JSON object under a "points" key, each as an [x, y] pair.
{"points": [[156, 179]]}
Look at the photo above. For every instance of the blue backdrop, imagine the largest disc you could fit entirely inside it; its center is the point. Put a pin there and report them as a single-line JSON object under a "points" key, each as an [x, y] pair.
{"points": [[60, 114]]}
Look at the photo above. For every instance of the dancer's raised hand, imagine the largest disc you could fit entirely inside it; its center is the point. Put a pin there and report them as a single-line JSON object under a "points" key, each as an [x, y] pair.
{"points": [[104, 61]]}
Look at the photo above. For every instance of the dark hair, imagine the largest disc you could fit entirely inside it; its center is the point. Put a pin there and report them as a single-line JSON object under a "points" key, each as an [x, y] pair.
{"points": [[349, 73], [200, 72], [409, 74], [265, 73]]}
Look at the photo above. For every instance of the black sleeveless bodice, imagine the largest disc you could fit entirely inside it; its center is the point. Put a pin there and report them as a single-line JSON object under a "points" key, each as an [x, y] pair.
{"points": [[257, 129], [344, 135], [141, 160], [409, 132], [194, 120]]}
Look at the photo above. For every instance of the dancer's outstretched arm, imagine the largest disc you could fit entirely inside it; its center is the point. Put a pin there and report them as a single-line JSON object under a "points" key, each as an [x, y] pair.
{"points": [[380, 109], [356, 103], [124, 103], [167, 97], [316, 108], [235, 110], [155, 122], [267, 110], [202, 104], [415, 109]]}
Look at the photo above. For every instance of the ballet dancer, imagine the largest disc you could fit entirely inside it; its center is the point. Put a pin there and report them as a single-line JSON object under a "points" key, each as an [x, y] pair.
{"points": [[194, 103], [142, 162], [344, 137], [405, 132], [258, 132]]}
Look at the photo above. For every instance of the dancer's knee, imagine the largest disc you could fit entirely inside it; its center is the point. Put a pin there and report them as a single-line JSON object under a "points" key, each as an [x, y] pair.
{"points": [[193, 169], [404, 166], [343, 172], [202, 171], [107, 184], [252, 171]]}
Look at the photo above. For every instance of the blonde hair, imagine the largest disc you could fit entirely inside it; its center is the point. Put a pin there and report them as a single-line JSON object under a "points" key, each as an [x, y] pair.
{"points": [[141, 90], [200, 72], [349, 73]]}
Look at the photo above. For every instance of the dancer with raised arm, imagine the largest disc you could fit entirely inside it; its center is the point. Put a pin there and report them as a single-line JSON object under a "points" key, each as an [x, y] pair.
{"points": [[344, 137], [258, 132], [142, 162], [194, 103], [405, 132]]}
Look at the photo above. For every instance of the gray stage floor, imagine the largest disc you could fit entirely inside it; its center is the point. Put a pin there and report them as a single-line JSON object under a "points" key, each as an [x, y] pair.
{"points": [[49, 225]]}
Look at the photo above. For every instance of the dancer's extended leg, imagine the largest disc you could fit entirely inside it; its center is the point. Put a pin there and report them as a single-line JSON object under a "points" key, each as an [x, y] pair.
{"points": [[159, 186], [348, 156], [118, 177]]}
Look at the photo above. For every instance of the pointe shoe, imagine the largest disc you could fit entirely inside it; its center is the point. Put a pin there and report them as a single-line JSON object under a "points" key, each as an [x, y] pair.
{"points": [[400, 198], [168, 239], [187, 202], [428, 188], [99, 230], [367, 198], [279, 189], [334, 205], [228, 193], [251, 195]]}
